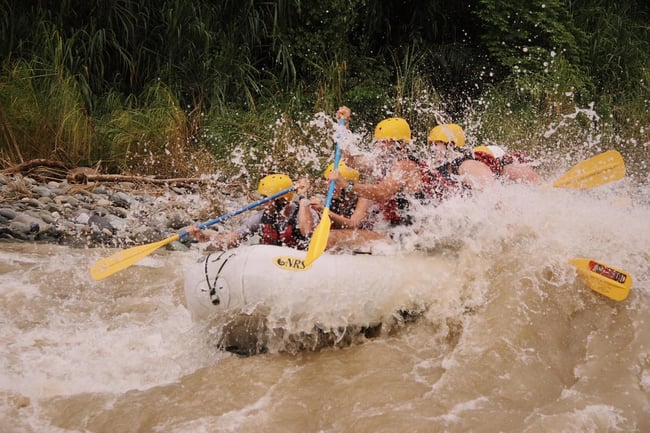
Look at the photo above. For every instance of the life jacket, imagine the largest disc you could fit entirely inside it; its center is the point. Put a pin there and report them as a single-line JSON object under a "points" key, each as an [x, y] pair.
{"points": [[497, 164], [493, 163], [437, 185], [516, 157], [345, 204], [283, 233], [447, 184], [395, 210]]}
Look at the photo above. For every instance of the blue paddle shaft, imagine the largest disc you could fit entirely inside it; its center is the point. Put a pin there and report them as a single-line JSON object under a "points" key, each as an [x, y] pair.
{"points": [[237, 212], [337, 159]]}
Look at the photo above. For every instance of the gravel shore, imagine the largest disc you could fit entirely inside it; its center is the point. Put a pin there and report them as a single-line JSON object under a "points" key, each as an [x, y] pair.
{"points": [[108, 214]]}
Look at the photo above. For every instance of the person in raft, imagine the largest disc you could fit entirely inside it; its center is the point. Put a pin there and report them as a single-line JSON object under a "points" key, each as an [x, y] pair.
{"points": [[281, 222], [505, 165], [348, 212], [512, 166], [406, 180], [457, 170]]}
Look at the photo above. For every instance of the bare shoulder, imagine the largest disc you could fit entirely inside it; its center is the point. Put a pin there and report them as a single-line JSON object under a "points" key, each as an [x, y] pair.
{"points": [[404, 167], [404, 173], [476, 174], [474, 168]]}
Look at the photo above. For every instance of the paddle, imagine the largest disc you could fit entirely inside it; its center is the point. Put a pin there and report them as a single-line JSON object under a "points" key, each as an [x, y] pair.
{"points": [[122, 260], [595, 171], [319, 238], [604, 279]]}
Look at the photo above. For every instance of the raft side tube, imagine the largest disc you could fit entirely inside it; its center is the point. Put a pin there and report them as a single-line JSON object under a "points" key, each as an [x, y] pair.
{"points": [[337, 290]]}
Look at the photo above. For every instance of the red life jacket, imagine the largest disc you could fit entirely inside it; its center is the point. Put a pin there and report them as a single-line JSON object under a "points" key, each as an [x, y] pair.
{"points": [[515, 157], [445, 185], [437, 185], [283, 233], [394, 210], [344, 205], [493, 163], [497, 164]]}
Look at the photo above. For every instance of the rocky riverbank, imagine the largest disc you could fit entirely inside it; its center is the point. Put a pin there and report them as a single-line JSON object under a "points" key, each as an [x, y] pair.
{"points": [[108, 214]]}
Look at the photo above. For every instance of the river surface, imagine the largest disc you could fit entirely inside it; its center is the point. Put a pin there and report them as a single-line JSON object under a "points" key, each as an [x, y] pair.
{"points": [[511, 341]]}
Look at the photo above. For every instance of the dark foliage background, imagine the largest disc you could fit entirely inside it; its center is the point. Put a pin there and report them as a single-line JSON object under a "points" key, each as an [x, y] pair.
{"points": [[110, 81]]}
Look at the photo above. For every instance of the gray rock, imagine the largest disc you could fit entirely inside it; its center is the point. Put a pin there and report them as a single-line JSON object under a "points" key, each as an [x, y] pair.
{"points": [[42, 191], [66, 199], [102, 202], [177, 246], [120, 224], [42, 215], [176, 220], [101, 211], [54, 209], [67, 227], [7, 213], [29, 181], [83, 198], [144, 234], [20, 228], [32, 202], [121, 200], [118, 211], [101, 223], [82, 218], [34, 223]]}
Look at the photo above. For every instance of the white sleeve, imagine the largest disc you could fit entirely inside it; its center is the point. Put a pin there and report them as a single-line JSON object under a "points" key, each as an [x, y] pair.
{"points": [[250, 225]]}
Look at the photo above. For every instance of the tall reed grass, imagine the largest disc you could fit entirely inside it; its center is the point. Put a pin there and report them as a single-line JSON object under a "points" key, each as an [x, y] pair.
{"points": [[180, 88], [43, 115]]}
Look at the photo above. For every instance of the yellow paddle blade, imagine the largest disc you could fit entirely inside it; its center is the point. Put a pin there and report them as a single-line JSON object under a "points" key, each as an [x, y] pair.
{"points": [[595, 171], [319, 238], [115, 263], [608, 281]]}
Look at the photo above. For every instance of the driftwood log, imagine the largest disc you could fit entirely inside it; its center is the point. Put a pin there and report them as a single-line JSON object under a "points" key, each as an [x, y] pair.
{"points": [[26, 167], [53, 169], [88, 176]]}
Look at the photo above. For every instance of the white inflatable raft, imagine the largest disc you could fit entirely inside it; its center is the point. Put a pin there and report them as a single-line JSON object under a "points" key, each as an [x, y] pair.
{"points": [[337, 290]]}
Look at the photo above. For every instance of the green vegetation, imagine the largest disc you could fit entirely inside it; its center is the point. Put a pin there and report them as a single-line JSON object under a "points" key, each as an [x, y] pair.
{"points": [[179, 88]]}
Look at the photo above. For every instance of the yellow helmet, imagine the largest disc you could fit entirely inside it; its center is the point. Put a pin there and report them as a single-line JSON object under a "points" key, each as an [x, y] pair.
{"points": [[274, 183], [447, 133], [483, 149], [458, 132], [394, 128], [348, 173]]}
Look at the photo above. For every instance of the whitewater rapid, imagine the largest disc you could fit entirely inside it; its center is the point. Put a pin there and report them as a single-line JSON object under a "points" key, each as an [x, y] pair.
{"points": [[514, 342]]}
